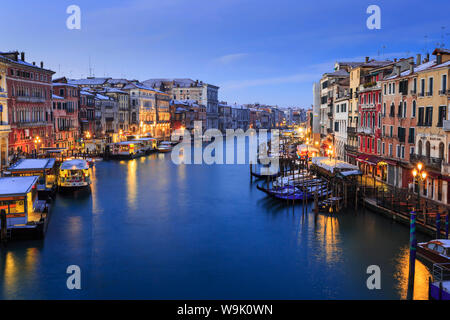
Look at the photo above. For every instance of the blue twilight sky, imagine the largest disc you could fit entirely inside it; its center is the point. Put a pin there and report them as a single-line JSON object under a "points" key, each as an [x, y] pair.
{"points": [[256, 51]]}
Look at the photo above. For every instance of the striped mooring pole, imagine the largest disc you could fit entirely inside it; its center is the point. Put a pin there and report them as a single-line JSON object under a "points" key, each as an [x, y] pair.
{"points": [[412, 254], [446, 225], [438, 225]]}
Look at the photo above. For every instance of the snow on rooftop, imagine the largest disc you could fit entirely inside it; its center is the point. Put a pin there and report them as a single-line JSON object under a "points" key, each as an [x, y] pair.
{"points": [[330, 165], [75, 164], [16, 185], [54, 96], [33, 164]]}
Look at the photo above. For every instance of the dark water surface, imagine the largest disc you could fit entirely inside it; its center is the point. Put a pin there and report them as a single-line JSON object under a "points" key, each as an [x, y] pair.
{"points": [[153, 230]]}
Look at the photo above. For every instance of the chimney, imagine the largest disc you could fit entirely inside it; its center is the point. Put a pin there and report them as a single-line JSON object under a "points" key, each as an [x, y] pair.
{"points": [[22, 56], [42, 65], [438, 58], [419, 59], [367, 59], [34, 63]]}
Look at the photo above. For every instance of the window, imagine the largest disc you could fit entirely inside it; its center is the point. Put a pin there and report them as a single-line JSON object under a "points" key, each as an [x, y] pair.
{"points": [[379, 120], [414, 109], [421, 119], [415, 85], [422, 87], [393, 88], [411, 135], [384, 109], [444, 84], [384, 130], [404, 109], [383, 148], [391, 131], [385, 86], [403, 152], [390, 149], [429, 116], [430, 87], [399, 153], [442, 115], [411, 150]]}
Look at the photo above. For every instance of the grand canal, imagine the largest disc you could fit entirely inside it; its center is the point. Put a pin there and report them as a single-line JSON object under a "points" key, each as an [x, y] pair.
{"points": [[150, 229]]}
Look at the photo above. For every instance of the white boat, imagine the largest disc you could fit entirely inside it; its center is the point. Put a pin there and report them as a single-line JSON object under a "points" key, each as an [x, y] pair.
{"points": [[148, 144], [74, 174], [127, 149], [165, 146]]}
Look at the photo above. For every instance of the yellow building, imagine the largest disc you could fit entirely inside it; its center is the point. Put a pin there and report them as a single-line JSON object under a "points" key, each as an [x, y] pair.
{"points": [[4, 124], [432, 139]]}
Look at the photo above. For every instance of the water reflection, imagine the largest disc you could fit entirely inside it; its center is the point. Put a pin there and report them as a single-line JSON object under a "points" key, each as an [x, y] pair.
{"points": [[420, 278], [132, 184]]}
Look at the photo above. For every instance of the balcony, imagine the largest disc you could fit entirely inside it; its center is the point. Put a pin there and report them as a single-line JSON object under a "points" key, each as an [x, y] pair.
{"points": [[351, 148], [31, 124], [413, 92], [351, 130], [429, 94], [365, 130], [442, 92], [31, 99], [429, 162]]}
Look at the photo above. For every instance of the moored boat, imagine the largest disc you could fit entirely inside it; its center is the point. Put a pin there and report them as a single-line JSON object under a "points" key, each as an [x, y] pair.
{"points": [[127, 149], [164, 146], [148, 144], [74, 174], [435, 251]]}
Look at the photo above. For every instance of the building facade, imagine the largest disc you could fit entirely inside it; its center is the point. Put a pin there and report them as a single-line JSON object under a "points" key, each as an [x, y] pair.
{"points": [[29, 92], [5, 129]]}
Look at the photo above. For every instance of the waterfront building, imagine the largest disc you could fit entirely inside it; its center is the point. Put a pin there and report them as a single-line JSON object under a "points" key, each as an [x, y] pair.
{"points": [[432, 147], [87, 114], [225, 119], [149, 108], [184, 114], [106, 116], [398, 123], [370, 118], [5, 129], [316, 122], [188, 89], [122, 97], [357, 74], [330, 85], [29, 92], [64, 113], [341, 103]]}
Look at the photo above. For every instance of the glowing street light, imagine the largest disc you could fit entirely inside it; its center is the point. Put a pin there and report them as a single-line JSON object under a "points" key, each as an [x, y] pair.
{"points": [[420, 175]]}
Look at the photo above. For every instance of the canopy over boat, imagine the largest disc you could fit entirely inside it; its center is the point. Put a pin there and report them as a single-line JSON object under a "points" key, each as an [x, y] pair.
{"points": [[76, 164], [14, 186], [32, 165]]}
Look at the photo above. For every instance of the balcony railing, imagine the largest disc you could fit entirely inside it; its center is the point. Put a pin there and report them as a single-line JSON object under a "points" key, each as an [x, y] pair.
{"points": [[429, 162], [31, 124], [31, 99], [351, 148], [366, 130], [442, 92]]}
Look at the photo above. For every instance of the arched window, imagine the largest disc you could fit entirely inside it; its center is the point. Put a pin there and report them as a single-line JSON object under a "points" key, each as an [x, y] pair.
{"points": [[373, 120], [420, 148], [427, 149]]}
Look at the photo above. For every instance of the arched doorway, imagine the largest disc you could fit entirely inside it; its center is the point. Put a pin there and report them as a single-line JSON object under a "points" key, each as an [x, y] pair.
{"points": [[420, 148], [427, 149]]}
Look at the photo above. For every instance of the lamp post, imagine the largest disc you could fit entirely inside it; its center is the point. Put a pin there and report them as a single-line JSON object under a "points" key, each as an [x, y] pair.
{"points": [[419, 174], [37, 140]]}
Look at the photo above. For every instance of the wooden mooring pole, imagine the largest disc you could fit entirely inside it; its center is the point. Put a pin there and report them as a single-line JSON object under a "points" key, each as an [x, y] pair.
{"points": [[412, 255]]}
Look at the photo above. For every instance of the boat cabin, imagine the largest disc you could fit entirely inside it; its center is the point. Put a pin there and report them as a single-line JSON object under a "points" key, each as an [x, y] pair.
{"points": [[74, 173], [44, 169], [128, 149], [18, 197]]}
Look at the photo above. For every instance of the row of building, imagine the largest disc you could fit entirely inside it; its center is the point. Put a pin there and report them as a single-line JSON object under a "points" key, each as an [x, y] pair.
{"points": [[386, 116], [38, 111]]}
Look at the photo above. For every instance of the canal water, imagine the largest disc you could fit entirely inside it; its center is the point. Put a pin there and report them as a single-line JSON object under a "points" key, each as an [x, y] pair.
{"points": [[150, 229]]}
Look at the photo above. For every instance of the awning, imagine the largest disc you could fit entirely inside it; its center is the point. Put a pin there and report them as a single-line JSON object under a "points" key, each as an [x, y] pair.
{"points": [[369, 159]]}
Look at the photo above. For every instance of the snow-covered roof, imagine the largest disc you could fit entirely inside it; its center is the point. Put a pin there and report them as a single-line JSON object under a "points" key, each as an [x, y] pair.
{"points": [[10, 186], [331, 165], [75, 164], [60, 84], [88, 81], [420, 67], [32, 164], [141, 86], [54, 96]]}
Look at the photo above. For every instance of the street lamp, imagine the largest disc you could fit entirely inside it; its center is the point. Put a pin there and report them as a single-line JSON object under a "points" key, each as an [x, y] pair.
{"points": [[37, 140], [420, 175]]}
